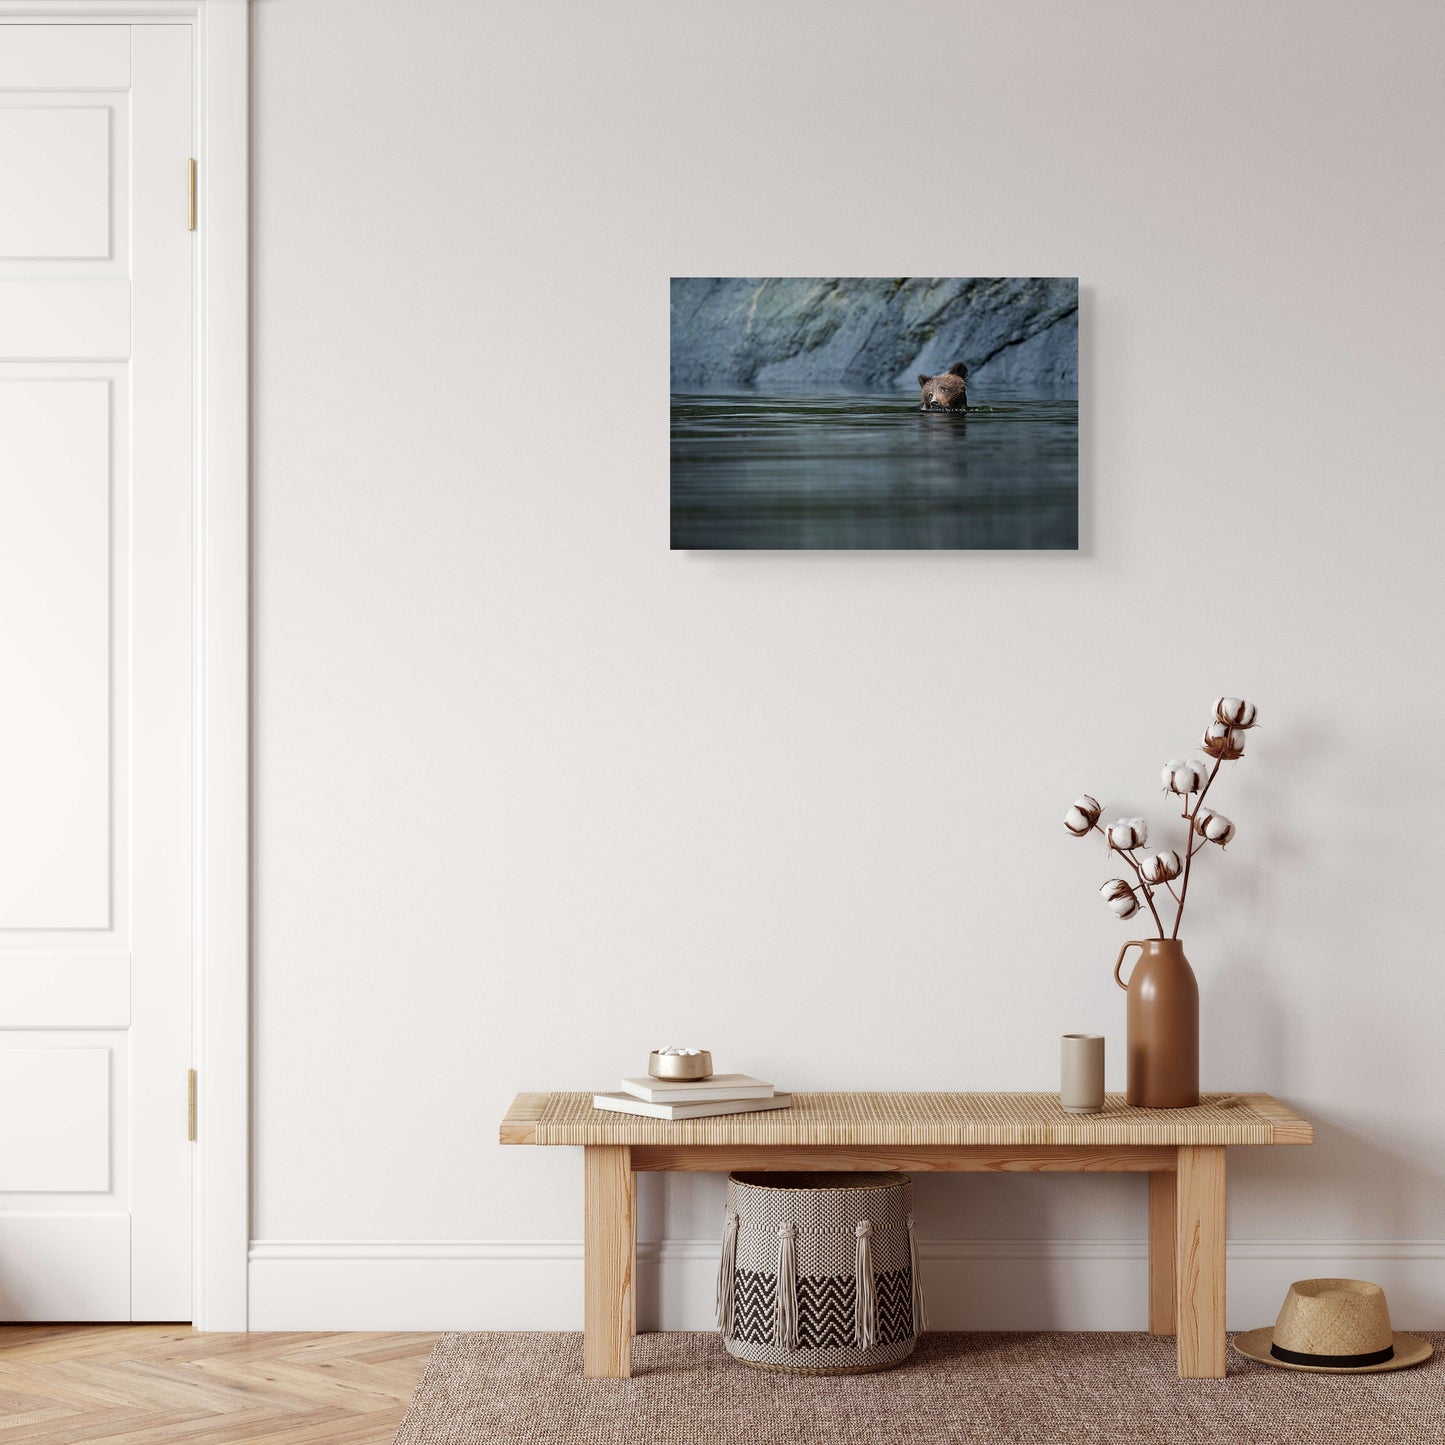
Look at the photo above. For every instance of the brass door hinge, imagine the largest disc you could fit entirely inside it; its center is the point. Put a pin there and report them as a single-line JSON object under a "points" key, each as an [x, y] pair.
{"points": [[192, 209], [191, 1105]]}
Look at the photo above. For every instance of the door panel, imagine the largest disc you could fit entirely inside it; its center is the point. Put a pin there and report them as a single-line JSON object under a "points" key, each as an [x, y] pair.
{"points": [[55, 581], [56, 165], [64, 319], [60, 1141], [96, 521], [88, 988], [65, 57], [67, 1265], [162, 644]]}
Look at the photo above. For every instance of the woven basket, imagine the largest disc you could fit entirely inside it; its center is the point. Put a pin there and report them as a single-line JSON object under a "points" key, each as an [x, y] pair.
{"points": [[819, 1272]]}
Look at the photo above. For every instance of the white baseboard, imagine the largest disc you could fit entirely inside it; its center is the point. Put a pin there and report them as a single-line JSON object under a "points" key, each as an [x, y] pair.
{"points": [[971, 1284]]}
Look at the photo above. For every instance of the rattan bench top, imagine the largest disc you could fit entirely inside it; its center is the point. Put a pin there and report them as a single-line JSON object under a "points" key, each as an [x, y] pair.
{"points": [[917, 1118]]}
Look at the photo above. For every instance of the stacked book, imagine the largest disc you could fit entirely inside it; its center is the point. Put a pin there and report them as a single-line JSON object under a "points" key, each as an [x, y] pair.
{"points": [[693, 1098]]}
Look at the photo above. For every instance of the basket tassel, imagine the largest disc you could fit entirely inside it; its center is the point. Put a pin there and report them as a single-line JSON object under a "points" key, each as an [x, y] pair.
{"points": [[785, 1322], [725, 1272], [920, 1310], [865, 1297]]}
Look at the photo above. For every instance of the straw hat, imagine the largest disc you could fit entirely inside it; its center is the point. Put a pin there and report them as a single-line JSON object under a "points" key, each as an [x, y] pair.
{"points": [[1333, 1326]]}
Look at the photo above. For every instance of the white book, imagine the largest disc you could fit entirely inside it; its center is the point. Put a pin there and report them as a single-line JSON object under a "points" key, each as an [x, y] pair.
{"points": [[698, 1091], [627, 1104]]}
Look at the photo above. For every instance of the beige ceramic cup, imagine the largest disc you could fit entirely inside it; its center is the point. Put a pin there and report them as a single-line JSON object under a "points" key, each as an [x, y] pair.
{"points": [[1081, 1086]]}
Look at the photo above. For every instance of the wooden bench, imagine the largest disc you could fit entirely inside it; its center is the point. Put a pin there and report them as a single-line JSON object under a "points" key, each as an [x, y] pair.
{"points": [[1181, 1150]]}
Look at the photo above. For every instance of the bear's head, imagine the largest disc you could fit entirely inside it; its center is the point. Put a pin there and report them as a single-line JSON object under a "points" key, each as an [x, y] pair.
{"points": [[948, 392]]}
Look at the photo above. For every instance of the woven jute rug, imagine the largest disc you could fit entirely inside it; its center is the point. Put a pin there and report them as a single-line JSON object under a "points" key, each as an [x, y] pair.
{"points": [[1033, 1389]]}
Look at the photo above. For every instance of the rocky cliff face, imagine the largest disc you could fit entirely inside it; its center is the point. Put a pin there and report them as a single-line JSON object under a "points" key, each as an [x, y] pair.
{"points": [[873, 333]]}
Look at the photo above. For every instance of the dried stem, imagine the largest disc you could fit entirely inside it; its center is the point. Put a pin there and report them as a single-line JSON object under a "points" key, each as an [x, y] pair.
{"points": [[1189, 849], [1128, 857]]}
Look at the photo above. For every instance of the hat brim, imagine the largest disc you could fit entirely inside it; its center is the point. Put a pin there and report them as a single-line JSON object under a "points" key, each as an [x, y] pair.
{"points": [[1409, 1350]]}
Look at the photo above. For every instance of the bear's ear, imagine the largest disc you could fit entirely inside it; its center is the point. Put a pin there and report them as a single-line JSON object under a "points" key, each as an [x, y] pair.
{"points": [[959, 370], [923, 380]]}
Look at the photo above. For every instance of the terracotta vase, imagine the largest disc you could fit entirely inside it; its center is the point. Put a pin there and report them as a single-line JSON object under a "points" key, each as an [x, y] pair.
{"points": [[1163, 1038]]}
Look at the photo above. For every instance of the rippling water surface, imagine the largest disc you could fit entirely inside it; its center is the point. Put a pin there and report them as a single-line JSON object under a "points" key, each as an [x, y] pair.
{"points": [[841, 470]]}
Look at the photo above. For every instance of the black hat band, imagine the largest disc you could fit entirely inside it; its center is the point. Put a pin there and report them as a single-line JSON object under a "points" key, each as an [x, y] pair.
{"points": [[1333, 1362]]}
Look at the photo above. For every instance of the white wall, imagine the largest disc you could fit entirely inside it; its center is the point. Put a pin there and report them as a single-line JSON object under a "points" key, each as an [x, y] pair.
{"points": [[533, 794]]}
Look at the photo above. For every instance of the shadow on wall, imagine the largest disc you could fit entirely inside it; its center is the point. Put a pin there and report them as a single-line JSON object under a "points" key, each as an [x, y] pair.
{"points": [[1349, 1043], [1337, 1166]]}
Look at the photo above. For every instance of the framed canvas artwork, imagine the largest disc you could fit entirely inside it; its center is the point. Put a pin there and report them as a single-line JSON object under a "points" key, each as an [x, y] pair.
{"points": [[875, 413]]}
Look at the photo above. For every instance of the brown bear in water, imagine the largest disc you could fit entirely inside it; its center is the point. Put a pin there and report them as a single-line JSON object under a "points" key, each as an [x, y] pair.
{"points": [[948, 392]]}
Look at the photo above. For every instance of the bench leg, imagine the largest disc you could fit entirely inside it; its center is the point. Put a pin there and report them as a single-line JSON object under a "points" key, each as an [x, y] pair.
{"points": [[1199, 1279], [1161, 1251], [610, 1260]]}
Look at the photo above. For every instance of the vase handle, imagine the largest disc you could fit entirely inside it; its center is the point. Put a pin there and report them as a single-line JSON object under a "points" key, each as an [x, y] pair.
{"points": [[1132, 943]]}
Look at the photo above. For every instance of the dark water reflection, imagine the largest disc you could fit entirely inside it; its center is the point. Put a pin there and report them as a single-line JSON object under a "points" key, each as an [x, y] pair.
{"points": [[842, 470]]}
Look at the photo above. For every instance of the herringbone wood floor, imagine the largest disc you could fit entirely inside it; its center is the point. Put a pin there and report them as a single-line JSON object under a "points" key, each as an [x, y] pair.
{"points": [[168, 1385]]}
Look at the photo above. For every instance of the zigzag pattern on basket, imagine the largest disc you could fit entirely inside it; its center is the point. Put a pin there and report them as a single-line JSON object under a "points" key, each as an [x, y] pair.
{"points": [[753, 1297], [825, 1311], [895, 1305], [825, 1308]]}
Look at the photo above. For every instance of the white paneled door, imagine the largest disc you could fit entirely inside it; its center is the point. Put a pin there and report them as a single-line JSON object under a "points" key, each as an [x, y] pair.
{"points": [[96, 671]]}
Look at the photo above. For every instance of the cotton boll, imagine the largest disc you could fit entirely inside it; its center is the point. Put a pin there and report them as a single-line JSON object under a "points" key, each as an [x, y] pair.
{"points": [[1120, 898], [1080, 819], [1161, 867], [1235, 712], [1223, 741], [1183, 777], [1126, 833], [1213, 827]]}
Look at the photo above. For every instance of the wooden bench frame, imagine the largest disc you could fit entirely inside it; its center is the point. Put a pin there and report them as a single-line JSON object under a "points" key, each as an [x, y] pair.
{"points": [[1186, 1214]]}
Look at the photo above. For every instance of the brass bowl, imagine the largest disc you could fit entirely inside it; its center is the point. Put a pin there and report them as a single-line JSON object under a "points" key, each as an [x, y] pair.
{"points": [[680, 1066]]}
